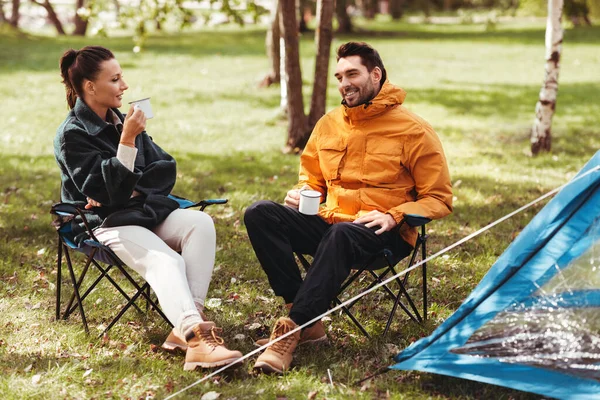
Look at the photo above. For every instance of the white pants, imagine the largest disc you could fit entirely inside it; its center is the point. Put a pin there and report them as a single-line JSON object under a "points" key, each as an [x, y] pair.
{"points": [[176, 258]]}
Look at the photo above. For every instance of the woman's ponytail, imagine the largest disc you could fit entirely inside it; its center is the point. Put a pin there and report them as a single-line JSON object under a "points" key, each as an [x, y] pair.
{"points": [[66, 61]]}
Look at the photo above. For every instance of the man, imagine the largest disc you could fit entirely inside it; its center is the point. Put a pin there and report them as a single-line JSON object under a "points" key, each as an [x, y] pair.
{"points": [[373, 161]]}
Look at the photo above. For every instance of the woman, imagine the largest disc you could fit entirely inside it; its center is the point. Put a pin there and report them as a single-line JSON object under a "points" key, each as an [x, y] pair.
{"points": [[110, 165]]}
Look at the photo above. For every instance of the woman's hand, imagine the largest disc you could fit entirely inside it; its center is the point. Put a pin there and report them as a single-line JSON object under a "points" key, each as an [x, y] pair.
{"points": [[135, 123], [91, 203]]}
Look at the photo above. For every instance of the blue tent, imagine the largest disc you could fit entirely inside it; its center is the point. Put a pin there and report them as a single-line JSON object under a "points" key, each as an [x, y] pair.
{"points": [[533, 322]]}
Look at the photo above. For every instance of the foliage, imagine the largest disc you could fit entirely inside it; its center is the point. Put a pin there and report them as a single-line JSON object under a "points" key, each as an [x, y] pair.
{"points": [[478, 89]]}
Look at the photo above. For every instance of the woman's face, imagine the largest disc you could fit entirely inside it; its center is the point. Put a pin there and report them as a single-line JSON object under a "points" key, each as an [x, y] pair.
{"points": [[106, 91]]}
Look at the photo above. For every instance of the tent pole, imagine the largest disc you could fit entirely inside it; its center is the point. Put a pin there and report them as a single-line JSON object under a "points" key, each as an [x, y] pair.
{"points": [[380, 371]]}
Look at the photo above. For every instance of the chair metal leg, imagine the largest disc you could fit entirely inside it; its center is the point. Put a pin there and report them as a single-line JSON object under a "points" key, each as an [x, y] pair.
{"points": [[123, 310], [424, 267], [58, 277], [76, 291], [142, 292], [77, 285], [114, 283], [353, 318]]}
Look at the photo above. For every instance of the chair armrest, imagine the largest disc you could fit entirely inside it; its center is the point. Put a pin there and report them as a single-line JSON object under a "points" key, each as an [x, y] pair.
{"points": [[415, 220], [185, 203], [65, 212], [66, 209]]}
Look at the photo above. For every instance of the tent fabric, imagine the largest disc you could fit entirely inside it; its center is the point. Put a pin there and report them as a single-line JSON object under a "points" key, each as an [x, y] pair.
{"points": [[533, 322]]}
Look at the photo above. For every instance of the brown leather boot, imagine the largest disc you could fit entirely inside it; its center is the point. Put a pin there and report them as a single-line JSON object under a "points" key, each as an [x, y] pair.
{"points": [[206, 349], [278, 357], [311, 335]]}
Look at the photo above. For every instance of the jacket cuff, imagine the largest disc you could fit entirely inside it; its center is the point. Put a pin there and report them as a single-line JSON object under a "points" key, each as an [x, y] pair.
{"points": [[396, 214], [127, 155]]}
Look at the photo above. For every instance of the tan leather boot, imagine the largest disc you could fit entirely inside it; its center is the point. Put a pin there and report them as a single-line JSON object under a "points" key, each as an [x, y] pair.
{"points": [[206, 348], [176, 341], [278, 357]]}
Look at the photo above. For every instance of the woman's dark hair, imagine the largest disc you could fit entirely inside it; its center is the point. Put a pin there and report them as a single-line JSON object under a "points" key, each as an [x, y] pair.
{"points": [[368, 55], [78, 65]]}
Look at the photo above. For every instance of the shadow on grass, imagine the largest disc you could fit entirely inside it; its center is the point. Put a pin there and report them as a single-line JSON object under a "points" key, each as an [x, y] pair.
{"points": [[510, 101]]}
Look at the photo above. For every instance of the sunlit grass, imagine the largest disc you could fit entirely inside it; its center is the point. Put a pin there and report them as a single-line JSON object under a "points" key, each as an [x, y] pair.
{"points": [[477, 88]]}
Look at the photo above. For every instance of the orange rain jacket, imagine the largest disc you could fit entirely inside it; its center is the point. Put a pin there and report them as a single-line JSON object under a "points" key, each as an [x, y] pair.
{"points": [[378, 156]]}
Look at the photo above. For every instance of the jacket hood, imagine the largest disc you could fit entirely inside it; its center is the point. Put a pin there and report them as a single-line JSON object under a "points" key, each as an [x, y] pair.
{"points": [[389, 96], [91, 122]]}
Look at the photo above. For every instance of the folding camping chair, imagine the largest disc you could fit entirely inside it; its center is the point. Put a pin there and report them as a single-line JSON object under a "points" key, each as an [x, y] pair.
{"points": [[387, 260], [104, 260]]}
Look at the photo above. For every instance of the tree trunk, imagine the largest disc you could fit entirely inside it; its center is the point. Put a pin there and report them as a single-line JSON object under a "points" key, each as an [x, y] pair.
{"points": [[302, 24], [343, 19], [369, 8], [544, 110], [396, 9], [52, 16], [16, 14], [323, 38], [297, 129], [273, 49], [81, 23]]}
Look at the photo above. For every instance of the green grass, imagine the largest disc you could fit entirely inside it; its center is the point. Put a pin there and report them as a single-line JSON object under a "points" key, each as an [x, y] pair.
{"points": [[477, 88]]}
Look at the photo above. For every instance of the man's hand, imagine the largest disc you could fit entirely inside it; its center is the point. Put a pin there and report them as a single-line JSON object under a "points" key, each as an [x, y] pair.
{"points": [[91, 203], [292, 198], [376, 218]]}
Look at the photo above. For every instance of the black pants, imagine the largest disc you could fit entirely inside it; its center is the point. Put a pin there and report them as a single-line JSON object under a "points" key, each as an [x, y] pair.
{"points": [[277, 231]]}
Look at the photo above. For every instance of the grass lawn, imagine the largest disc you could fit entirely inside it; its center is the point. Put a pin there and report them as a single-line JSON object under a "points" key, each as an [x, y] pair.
{"points": [[477, 88]]}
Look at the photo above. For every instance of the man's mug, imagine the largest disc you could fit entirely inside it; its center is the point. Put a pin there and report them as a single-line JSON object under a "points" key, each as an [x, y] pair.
{"points": [[144, 105], [309, 201]]}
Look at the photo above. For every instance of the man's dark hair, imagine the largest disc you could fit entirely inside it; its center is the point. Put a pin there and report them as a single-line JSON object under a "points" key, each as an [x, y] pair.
{"points": [[368, 55]]}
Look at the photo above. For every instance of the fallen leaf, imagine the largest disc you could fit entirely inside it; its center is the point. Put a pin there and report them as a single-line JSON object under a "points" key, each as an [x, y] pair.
{"points": [[312, 395], [36, 379], [253, 326], [214, 303], [210, 396], [87, 372]]}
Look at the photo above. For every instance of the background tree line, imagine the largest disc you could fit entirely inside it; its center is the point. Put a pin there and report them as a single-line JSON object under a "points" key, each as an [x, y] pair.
{"points": [[144, 15]]}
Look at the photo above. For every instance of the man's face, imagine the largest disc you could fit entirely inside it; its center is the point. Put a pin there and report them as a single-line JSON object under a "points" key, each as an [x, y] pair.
{"points": [[356, 84]]}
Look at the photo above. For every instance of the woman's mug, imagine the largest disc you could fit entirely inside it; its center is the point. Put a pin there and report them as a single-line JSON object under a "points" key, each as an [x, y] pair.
{"points": [[144, 105]]}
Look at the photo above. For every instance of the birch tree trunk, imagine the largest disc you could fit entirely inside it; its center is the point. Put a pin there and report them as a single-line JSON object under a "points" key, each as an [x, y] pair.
{"points": [[297, 128], [546, 105], [273, 49], [323, 37]]}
